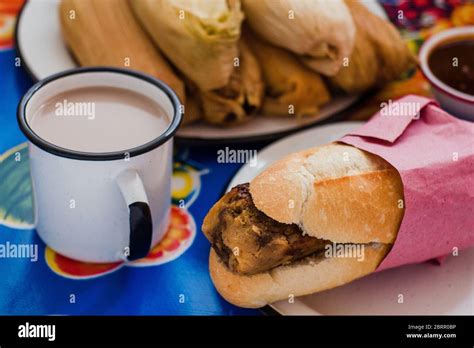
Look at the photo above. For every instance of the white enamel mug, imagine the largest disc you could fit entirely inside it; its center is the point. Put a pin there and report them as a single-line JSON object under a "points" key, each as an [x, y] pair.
{"points": [[101, 207]]}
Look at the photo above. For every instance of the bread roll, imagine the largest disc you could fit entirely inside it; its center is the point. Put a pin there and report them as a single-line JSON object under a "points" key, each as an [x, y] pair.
{"points": [[298, 279], [336, 193]]}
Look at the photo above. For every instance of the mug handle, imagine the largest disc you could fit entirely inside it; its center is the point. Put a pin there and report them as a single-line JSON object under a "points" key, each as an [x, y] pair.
{"points": [[141, 227]]}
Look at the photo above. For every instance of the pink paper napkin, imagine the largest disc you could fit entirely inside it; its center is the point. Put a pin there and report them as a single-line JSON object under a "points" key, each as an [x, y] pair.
{"points": [[434, 153]]}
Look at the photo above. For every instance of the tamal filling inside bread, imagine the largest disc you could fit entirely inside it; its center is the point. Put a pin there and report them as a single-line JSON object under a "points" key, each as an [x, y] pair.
{"points": [[248, 241]]}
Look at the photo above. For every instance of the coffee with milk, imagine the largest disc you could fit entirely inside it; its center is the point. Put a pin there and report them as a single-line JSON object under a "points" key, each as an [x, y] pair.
{"points": [[99, 119]]}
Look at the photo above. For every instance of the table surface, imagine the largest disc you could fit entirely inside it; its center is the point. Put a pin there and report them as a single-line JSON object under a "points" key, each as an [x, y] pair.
{"points": [[174, 279]]}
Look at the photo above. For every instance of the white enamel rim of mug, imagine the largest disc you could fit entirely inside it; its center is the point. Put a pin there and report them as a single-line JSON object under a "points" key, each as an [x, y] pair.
{"points": [[425, 52], [99, 156]]}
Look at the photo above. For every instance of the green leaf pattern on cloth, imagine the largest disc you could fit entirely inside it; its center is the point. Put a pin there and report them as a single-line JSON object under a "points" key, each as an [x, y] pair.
{"points": [[16, 200]]}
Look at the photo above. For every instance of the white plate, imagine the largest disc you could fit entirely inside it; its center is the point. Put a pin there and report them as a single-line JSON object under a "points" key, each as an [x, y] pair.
{"points": [[44, 53], [427, 289]]}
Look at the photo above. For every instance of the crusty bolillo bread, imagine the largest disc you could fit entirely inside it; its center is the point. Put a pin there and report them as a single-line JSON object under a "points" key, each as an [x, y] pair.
{"points": [[334, 192], [295, 279]]}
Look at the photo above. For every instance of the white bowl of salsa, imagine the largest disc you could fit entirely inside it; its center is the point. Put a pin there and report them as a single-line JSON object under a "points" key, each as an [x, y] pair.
{"points": [[447, 61]]}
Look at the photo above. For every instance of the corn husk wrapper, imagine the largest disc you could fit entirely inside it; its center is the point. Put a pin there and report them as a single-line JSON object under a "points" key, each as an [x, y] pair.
{"points": [[199, 37], [105, 33], [291, 87], [322, 32], [192, 109], [241, 98], [379, 56]]}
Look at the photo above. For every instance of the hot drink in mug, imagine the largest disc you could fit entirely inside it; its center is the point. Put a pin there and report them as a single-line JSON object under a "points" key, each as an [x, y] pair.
{"points": [[100, 147]]}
